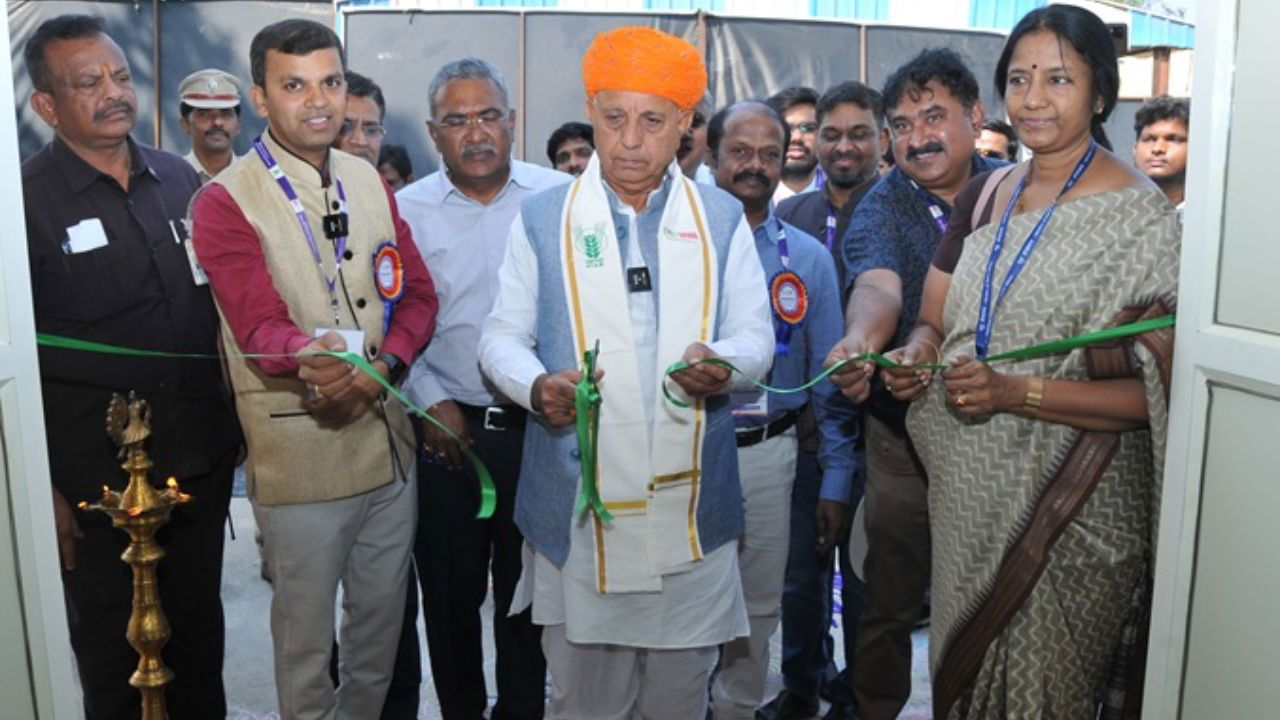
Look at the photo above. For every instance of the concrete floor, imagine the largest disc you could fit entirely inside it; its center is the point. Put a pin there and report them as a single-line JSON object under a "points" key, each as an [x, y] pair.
{"points": [[248, 668]]}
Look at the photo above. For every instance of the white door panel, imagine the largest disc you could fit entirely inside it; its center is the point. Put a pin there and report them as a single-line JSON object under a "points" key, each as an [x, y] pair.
{"points": [[1214, 626]]}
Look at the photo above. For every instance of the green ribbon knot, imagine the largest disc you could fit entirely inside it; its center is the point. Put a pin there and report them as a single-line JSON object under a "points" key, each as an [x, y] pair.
{"points": [[586, 405]]}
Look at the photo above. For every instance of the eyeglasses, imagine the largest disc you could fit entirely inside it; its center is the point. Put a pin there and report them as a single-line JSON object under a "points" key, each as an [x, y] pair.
{"points": [[805, 128], [996, 154], [370, 129], [698, 121], [485, 119]]}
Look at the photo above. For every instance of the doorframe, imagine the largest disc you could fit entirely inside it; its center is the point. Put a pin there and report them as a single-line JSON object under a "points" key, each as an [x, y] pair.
{"points": [[26, 474], [1207, 353]]}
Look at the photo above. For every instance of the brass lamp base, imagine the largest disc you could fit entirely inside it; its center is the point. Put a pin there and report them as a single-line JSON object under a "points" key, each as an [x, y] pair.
{"points": [[140, 511]]}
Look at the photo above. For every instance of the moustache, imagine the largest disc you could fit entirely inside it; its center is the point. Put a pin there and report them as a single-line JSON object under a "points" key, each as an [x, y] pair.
{"points": [[479, 149], [111, 107], [751, 175], [215, 132], [913, 152], [851, 155]]}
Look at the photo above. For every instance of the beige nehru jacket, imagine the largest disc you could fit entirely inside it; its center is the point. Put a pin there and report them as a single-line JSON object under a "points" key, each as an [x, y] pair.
{"points": [[292, 459]]}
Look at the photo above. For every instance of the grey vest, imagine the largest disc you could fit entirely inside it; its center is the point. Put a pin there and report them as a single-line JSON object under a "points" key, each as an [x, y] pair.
{"points": [[550, 468]]}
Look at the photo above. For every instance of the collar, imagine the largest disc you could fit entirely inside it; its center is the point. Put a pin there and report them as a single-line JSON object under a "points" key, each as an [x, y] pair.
{"points": [[194, 161], [657, 196], [299, 171], [769, 227], [977, 166], [80, 174], [519, 175], [857, 191]]}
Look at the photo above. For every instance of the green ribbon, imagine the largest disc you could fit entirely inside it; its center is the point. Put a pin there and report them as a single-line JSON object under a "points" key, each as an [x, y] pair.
{"points": [[1053, 347], [488, 495], [586, 405]]}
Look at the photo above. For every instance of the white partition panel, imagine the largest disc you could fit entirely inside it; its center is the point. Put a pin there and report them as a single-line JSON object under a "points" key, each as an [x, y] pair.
{"points": [[35, 654], [1214, 631]]}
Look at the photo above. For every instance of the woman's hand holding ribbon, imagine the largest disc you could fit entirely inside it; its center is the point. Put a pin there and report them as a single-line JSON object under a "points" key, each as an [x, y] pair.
{"points": [[907, 383], [974, 389]]}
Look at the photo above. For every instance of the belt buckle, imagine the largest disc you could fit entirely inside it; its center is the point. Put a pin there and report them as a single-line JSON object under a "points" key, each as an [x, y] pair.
{"points": [[492, 413]]}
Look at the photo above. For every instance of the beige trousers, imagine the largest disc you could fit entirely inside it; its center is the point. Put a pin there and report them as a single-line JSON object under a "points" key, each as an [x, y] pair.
{"points": [[364, 543], [767, 471]]}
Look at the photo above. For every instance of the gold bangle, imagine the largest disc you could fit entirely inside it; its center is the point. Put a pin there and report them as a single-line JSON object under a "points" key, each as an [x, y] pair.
{"points": [[937, 354], [1035, 393]]}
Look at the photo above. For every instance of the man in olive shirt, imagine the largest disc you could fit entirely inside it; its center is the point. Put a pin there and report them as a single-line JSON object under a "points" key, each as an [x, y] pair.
{"points": [[109, 264]]}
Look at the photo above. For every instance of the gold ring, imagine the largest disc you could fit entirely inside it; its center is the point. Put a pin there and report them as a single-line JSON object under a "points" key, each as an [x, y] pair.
{"points": [[960, 400], [316, 389]]}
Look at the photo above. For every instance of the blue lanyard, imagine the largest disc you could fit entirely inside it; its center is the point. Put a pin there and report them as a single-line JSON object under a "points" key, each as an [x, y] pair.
{"points": [[940, 216], [986, 311], [782, 327], [340, 247]]}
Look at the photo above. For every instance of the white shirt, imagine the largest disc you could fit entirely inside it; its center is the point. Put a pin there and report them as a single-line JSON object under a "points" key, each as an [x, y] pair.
{"points": [[703, 606], [746, 330], [784, 191], [462, 242]]}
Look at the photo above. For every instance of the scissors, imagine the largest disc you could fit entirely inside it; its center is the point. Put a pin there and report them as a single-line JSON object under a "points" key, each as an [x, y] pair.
{"points": [[590, 360]]}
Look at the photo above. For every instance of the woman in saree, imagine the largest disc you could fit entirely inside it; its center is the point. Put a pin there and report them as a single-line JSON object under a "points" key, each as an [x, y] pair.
{"points": [[1044, 472]]}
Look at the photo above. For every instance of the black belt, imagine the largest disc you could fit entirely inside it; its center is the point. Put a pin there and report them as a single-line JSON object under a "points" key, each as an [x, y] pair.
{"points": [[747, 438], [496, 417]]}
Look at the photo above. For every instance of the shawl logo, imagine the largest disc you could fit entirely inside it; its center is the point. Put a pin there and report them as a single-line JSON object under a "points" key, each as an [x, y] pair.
{"points": [[591, 242]]}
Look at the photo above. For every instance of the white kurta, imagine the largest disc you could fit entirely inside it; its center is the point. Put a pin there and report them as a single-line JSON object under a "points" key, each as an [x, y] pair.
{"points": [[702, 606]]}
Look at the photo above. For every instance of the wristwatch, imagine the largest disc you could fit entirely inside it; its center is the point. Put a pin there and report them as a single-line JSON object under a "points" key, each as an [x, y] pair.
{"points": [[395, 368]]}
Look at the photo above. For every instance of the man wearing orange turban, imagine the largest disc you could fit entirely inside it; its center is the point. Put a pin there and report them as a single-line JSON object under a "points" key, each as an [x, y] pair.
{"points": [[635, 591]]}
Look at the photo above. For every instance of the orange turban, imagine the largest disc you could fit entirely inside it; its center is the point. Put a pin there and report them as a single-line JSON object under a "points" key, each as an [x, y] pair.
{"points": [[644, 60]]}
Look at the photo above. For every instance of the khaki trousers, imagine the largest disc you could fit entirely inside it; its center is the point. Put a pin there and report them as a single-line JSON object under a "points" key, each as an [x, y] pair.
{"points": [[896, 569], [364, 543]]}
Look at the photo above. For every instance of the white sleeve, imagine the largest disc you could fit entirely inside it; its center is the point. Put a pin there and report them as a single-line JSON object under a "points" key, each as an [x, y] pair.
{"points": [[421, 387], [507, 340], [746, 335]]}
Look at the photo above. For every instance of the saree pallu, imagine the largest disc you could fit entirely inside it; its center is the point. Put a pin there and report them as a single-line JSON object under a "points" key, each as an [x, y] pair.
{"points": [[1043, 533]]}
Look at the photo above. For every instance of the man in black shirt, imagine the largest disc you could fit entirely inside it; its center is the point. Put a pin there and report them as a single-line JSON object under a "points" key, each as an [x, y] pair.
{"points": [[850, 141], [851, 138], [109, 263]]}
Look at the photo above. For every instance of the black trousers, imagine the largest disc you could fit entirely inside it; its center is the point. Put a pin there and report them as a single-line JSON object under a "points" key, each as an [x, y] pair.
{"points": [[455, 552], [99, 596]]}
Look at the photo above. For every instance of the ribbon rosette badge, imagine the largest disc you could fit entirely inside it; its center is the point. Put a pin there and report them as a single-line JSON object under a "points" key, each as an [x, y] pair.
{"points": [[388, 272], [388, 275], [790, 299], [591, 243]]}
